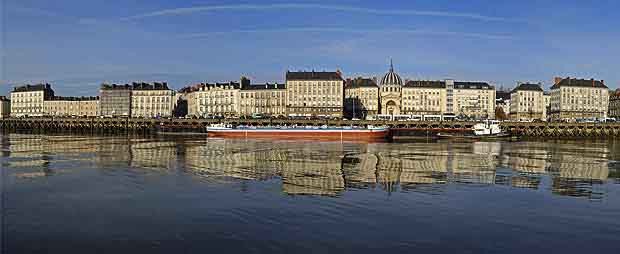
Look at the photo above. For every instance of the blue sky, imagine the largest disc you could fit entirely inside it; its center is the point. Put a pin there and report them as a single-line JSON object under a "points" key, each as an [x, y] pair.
{"points": [[76, 44]]}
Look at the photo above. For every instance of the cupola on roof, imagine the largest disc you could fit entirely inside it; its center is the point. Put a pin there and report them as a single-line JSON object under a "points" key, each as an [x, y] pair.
{"points": [[391, 78]]}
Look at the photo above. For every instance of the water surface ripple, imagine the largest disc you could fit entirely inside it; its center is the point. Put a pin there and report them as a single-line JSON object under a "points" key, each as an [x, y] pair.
{"points": [[137, 194]]}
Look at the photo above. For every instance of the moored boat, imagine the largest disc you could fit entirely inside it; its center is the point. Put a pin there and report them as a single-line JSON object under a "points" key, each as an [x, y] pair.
{"points": [[488, 130], [305, 132]]}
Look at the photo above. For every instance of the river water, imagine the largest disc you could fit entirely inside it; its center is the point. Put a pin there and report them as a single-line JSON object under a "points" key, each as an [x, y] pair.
{"points": [[172, 194]]}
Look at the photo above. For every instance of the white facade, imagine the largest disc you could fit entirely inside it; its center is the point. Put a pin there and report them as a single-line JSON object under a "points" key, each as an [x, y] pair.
{"points": [[315, 93], [72, 107], [578, 98], [29, 100], [424, 98], [527, 102], [152, 103], [474, 100], [221, 99]]}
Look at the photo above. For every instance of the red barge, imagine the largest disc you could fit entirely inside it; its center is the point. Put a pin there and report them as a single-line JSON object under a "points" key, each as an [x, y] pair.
{"points": [[308, 132]]}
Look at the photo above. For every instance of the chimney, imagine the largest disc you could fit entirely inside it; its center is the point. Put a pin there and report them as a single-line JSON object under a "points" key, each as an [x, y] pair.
{"points": [[557, 80], [245, 82]]}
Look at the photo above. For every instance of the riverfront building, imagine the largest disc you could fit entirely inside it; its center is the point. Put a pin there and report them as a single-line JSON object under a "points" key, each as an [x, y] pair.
{"points": [[315, 93], [448, 97], [115, 100], [614, 104], [29, 100], [71, 106], [471, 99], [361, 98], [268, 99], [578, 98], [502, 104], [421, 97], [547, 99], [152, 100], [5, 107], [528, 102], [219, 99], [390, 96]]}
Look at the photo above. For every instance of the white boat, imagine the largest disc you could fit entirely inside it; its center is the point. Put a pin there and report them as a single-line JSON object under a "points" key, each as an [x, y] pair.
{"points": [[484, 130], [487, 128]]}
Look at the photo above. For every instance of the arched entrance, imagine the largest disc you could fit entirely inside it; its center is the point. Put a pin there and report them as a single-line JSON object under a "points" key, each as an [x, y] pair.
{"points": [[392, 108]]}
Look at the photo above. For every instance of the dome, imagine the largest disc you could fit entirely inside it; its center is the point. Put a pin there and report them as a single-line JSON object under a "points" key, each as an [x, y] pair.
{"points": [[391, 78]]}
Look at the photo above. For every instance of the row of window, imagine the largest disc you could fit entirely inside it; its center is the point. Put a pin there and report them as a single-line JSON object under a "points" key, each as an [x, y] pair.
{"points": [[425, 102], [421, 109], [335, 91], [313, 83], [27, 94], [412, 92], [262, 95], [318, 109], [166, 107], [151, 99], [252, 103], [217, 94], [316, 102]]}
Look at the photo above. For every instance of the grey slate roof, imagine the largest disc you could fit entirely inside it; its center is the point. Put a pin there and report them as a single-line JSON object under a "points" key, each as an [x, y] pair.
{"points": [[426, 84], [472, 85], [115, 87], [265, 86], [361, 82], [503, 95], [32, 88], [148, 86], [573, 82], [313, 75], [527, 87]]}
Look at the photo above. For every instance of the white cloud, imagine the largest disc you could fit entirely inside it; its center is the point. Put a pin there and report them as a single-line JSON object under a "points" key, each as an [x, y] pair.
{"points": [[360, 31], [351, 9]]}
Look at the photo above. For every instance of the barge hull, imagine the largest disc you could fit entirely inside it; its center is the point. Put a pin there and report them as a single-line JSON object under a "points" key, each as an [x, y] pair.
{"points": [[328, 134]]}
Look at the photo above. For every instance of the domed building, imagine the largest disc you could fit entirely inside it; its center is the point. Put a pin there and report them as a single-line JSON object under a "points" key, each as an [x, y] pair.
{"points": [[390, 92]]}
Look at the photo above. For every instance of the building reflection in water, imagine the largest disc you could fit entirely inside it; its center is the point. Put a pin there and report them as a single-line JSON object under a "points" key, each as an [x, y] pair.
{"points": [[312, 169], [574, 168]]}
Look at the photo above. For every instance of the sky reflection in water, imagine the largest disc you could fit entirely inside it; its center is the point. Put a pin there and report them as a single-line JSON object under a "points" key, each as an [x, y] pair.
{"points": [[74, 193]]}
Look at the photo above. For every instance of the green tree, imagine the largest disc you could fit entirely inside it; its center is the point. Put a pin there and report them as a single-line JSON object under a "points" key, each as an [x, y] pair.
{"points": [[500, 114]]}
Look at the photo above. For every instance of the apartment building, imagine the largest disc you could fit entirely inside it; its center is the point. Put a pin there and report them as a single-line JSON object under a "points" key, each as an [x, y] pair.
{"points": [[422, 97], [5, 107], [315, 93], [614, 104], [115, 100], [219, 99], [361, 98], [527, 102], [573, 98], [470, 99], [28, 100], [268, 99], [152, 100], [72, 106]]}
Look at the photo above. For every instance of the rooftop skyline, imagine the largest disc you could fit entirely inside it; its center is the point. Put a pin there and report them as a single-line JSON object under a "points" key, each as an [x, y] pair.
{"points": [[77, 45]]}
